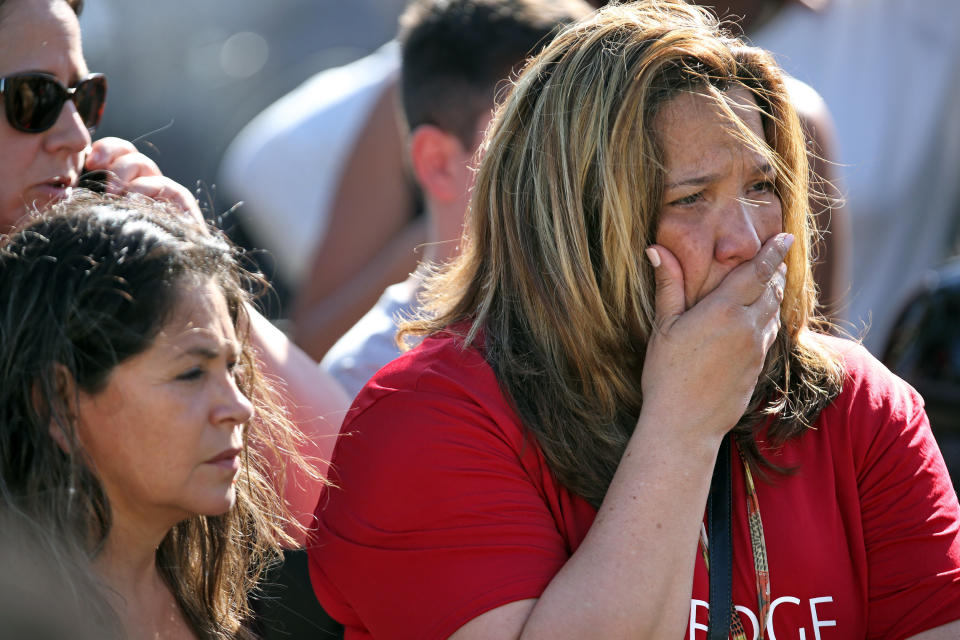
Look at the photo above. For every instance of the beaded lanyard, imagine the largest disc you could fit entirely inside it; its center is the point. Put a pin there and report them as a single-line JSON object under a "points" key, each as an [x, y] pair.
{"points": [[759, 548]]}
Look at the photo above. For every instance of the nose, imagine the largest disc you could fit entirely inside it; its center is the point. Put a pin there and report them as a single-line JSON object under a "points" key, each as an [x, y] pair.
{"points": [[737, 239], [68, 133], [232, 407]]}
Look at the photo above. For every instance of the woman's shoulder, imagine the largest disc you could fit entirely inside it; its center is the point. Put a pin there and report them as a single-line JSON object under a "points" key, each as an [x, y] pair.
{"points": [[444, 363], [442, 385], [876, 428], [419, 426], [869, 388]]}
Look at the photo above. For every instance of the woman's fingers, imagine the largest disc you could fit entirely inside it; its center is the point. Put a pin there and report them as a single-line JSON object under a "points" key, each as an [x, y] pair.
{"points": [[768, 308], [702, 363], [122, 161], [748, 282], [105, 152], [131, 171], [130, 166], [668, 298], [762, 316], [163, 188]]}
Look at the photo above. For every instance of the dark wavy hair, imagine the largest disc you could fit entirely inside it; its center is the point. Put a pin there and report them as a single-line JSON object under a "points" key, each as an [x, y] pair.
{"points": [[85, 286]]}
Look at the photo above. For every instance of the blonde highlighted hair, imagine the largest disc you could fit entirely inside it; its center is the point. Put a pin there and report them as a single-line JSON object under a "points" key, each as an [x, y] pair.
{"points": [[552, 276]]}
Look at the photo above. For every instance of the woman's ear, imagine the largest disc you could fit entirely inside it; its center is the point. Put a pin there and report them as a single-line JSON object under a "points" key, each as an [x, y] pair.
{"points": [[64, 406], [437, 159]]}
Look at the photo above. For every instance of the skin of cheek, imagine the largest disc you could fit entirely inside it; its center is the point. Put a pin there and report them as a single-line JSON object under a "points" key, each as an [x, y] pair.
{"points": [[718, 204], [152, 431], [11, 177], [155, 465], [687, 243]]}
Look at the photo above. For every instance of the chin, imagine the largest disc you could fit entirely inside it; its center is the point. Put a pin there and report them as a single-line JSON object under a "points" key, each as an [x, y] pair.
{"points": [[10, 218], [47, 195], [216, 502]]}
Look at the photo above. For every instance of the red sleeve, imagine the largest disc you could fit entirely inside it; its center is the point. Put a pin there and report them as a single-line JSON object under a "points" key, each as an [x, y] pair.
{"points": [[908, 506], [436, 519]]}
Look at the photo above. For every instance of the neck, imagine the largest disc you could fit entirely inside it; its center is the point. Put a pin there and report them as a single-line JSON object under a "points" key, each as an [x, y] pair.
{"points": [[445, 225], [129, 553], [128, 565]]}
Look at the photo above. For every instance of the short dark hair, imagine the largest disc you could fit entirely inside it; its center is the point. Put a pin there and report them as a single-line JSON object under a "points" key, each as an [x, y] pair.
{"points": [[455, 52]]}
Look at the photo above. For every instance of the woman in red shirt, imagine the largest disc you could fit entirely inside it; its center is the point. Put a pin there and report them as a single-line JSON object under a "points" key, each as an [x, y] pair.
{"points": [[634, 291]]}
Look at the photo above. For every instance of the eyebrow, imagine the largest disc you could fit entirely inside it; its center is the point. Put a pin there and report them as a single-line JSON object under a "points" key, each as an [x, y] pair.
{"points": [[203, 352], [207, 352], [764, 168]]}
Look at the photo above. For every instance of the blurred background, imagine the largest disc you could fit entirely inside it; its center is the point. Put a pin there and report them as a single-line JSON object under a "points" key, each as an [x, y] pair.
{"points": [[186, 76]]}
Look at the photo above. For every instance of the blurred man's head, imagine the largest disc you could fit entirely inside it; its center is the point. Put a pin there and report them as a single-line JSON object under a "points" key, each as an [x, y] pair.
{"points": [[455, 52], [455, 55]]}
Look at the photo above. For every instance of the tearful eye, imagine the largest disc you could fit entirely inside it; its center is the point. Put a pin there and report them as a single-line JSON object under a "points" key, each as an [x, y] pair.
{"points": [[191, 374], [687, 200], [764, 186]]}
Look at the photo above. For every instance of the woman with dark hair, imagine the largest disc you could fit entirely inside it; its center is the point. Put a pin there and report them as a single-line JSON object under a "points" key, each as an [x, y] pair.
{"points": [[50, 104], [134, 422], [628, 340]]}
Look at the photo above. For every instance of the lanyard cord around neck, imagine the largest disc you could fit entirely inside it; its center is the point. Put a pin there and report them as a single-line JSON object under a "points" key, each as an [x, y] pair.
{"points": [[759, 548]]}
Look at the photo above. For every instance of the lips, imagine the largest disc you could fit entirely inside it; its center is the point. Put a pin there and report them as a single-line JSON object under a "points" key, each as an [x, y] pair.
{"points": [[53, 189], [228, 459], [62, 182], [49, 193], [66, 180]]}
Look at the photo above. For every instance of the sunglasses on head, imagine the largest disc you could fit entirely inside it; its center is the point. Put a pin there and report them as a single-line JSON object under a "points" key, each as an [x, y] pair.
{"points": [[33, 101]]}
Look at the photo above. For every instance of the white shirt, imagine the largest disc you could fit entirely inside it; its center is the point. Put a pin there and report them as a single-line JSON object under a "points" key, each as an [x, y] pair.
{"points": [[371, 342], [889, 70], [285, 165]]}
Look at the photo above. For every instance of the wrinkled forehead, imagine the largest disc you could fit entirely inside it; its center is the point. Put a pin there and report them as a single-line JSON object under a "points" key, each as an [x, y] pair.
{"points": [[695, 117], [732, 107]]}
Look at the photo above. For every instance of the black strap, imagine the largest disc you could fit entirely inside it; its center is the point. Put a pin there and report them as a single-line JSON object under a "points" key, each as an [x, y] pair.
{"points": [[720, 546]]}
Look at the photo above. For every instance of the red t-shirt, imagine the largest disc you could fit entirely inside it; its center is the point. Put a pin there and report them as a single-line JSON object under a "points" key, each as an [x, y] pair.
{"points": [[444, 509]]}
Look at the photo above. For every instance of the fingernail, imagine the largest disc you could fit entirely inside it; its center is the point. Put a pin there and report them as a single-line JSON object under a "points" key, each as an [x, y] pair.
{"points": [[787, 240], [653, 257]]}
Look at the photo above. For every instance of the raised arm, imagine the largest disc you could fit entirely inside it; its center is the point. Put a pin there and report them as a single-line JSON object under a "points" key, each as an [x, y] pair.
{"points": [[314, 400], [315, 403], [633, 574], [370, 240]]}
